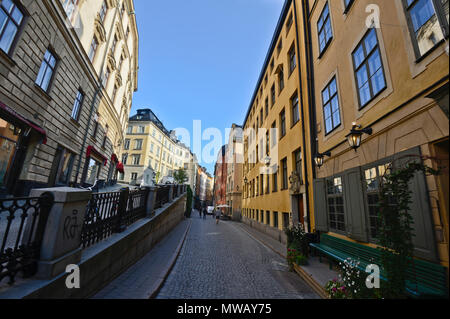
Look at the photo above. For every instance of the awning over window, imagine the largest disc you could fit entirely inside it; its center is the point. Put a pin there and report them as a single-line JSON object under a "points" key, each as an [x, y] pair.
{"points": [[16, 116], [120, 168], [92, 150], [114, 158]]}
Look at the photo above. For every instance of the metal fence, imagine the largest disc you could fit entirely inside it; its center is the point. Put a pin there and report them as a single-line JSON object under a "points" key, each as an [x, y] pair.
{"points": [[101, 219], [162, 196], [22, 226]]}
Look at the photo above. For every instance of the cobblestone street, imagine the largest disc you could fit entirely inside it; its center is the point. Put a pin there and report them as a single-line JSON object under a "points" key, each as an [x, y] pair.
{"points": [[223, 262]]}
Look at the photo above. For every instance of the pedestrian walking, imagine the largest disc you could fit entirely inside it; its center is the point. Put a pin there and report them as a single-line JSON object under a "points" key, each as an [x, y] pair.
{"points": [[217, 214], [204, 214]]}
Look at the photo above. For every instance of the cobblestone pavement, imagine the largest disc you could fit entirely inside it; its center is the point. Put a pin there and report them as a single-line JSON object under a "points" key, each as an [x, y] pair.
{"points": [[224, 262]]}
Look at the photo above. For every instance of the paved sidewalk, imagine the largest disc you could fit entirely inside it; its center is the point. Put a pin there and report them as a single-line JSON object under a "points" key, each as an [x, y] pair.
{"points": [[316, 274], [143, 279], [268, 241]]}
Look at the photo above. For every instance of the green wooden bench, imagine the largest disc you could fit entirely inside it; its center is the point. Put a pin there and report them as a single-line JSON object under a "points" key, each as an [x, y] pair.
{"points": [[425, 279]]}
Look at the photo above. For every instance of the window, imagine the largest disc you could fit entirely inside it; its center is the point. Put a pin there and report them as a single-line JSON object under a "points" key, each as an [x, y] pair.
{"points": [[284, 171], [330, 101], [335, 201], [292, 59], [69, 7], [261, 180], [152, 146], [130, 129], [93, 49], [96, 118], [106, 77], [428, 20], [136, 159], [268, 184], [280, 46], [122, 9], [114, 94], [298, 163], [93, 172], [10, 21], [373, 178], [127, 144], [289, 23], [282, 124], [65, 160], [268, 217], [272, 93], [275, 219], [134, 177], [281, 80], [105, 137], [295, 110], [348, 4], [113, 46], [324, 29], [46, 71], [285, 220], [273, 131], [141, 129], [138, 145], [257, 186], [77, 105], [103, 11], [124, 159], [267, 143], [267, 107], [368, 67]]}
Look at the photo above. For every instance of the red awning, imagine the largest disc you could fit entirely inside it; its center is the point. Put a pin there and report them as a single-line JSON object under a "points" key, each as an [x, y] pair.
{"points": [[23, 120], [114, 158], [120, 168], [92, 150]]}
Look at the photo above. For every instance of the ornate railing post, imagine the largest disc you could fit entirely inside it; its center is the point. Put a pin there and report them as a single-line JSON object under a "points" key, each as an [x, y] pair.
{"points": [[61, 234], [150, 201], [171, 193], [122, 209]]}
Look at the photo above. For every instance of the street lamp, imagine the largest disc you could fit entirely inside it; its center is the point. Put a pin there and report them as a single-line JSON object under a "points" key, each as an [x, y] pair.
{"points": [[354, 138], [318, 159]]}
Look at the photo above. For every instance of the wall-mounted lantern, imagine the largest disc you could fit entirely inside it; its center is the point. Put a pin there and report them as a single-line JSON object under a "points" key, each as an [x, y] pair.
{"points": [[320, 157], [355, 136]]}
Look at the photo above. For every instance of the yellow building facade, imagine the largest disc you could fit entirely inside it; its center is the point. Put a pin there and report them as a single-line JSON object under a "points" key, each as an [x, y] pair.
{"points": [[148, 144], [276, 177], [392, 79]]}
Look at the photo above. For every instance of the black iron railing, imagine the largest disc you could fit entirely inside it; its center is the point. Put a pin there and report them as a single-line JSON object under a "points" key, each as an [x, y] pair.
{"points": [[136, 208], [162, 196], [101, 218], [109, 213], [22, 226]]}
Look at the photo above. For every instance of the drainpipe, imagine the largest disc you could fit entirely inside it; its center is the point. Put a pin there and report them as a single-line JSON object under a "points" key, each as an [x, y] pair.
{"points": [[311, 95], [303, 119], [97, 92]]}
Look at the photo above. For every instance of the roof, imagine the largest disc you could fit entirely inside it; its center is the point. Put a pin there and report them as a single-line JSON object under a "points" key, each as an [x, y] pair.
{"points": [[272, 46]]}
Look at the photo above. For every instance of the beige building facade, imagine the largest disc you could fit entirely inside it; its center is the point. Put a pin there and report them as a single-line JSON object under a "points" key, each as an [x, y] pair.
{"points": [[52, 97]]}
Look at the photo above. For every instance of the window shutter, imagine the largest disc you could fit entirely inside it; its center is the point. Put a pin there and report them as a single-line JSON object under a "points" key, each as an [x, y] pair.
{"points": [[320, 206], [423, 240], [355, 215]]}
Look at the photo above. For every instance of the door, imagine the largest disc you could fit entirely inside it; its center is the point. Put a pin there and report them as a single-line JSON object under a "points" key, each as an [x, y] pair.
{"points": [[301, 210], [9, 136]]}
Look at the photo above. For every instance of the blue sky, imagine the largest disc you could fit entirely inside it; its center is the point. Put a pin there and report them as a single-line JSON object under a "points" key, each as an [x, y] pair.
{"points": [[200, 59]]}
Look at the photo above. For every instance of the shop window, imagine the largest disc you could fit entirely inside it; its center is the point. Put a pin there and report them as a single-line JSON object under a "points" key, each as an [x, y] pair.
{"points": [[93, 172]]}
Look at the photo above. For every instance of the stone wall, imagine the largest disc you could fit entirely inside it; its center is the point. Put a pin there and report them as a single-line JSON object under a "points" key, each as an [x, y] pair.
{"points": [[105, 261]]}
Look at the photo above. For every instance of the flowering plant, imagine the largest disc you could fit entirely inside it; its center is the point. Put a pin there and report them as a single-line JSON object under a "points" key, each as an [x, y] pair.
{"points": [[336, 289]]}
